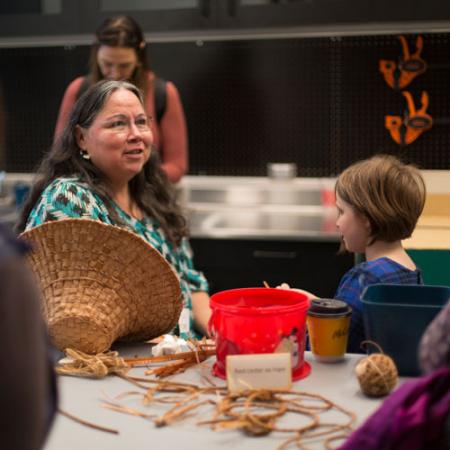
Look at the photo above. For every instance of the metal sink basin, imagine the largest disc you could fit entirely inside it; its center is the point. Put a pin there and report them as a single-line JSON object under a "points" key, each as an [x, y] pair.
{"points": [[256, 191], [251, 195], [263, 224], [259, 207]]}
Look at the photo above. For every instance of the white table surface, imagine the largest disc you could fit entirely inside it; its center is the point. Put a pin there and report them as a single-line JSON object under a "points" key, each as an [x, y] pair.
{"points": [[84, 397]]}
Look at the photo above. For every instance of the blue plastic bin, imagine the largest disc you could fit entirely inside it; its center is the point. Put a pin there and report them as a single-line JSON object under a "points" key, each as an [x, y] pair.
{"points": [[396, 316]]}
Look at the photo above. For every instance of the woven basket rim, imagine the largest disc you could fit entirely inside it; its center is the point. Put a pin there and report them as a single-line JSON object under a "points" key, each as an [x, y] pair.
{"points": [[146, 287]]}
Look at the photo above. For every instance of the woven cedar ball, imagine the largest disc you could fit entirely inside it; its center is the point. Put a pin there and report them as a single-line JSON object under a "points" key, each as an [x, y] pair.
{"points": [[377, 375], [101, 283]]}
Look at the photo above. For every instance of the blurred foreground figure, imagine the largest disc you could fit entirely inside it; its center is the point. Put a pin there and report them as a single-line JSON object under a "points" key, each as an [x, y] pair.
{"points": [[434, 349], [27, 388], [417, 415]]}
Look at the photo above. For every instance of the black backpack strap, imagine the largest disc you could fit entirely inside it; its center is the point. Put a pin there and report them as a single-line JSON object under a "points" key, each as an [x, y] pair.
{"points": [[159, 86]]}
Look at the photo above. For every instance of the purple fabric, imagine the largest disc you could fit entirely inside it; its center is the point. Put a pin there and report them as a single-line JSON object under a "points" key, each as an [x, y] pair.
{"points": [[411, 418], [434, 348]]}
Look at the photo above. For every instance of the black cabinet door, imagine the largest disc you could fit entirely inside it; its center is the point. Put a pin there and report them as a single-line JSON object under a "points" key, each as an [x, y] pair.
{"points": [[67, 17], [154, 15], [329, 14], [233, 263], [39, 18]]}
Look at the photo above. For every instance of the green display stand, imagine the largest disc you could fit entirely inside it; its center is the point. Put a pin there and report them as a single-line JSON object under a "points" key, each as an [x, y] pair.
{"points": [[435, 265]]}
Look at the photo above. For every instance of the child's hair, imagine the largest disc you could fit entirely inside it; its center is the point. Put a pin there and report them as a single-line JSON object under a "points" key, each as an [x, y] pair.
{"points": [[389, 193]]}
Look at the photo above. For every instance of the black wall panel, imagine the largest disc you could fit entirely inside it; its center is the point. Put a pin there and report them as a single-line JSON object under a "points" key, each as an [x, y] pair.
{"points": [[319, 102]]}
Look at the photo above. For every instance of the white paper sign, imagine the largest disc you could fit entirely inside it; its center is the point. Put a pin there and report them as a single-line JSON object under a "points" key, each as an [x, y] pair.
{"points": [[184, 322], [260, 371]]}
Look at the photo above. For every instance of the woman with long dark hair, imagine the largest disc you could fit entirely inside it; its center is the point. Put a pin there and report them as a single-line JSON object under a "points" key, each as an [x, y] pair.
{"points": [[103, 168]]}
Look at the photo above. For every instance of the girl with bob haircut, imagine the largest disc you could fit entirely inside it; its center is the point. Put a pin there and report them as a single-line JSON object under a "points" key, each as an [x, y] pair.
{"points": [[390, 194], [378, 201]]}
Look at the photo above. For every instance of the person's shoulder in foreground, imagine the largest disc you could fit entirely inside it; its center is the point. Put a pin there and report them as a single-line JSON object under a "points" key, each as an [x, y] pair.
{"points": [[434, 348], [416, 416], [413, 417], [28, 387]]}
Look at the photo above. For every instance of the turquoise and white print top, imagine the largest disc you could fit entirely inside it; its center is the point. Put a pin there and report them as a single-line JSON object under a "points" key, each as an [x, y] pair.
{"points": [[69, 198]]}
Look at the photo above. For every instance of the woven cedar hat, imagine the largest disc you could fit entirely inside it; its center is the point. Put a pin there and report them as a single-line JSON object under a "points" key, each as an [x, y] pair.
{"points": [[101, 283]]}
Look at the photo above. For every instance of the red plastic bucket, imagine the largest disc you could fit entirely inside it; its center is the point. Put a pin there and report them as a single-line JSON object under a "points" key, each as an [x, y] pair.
{"points": [[259, 320]]}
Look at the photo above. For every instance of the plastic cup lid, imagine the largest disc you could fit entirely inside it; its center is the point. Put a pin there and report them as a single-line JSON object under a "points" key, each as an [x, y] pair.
{"points": [[328, 306]]}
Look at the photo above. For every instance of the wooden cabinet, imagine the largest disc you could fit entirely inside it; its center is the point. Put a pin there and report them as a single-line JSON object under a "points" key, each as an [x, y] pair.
{"points": [[233, 263]]}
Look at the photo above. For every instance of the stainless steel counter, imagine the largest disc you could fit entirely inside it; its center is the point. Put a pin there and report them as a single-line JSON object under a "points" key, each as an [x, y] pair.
{"points": [[259, 208], [229, 222], [240, 207]]}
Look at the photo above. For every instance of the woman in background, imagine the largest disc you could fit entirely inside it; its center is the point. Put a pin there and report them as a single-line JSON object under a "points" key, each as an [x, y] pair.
{"points": [[119, 53]]}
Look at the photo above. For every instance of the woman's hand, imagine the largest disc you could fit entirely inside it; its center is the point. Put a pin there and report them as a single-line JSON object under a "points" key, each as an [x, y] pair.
{"points": [[201, 311], [285, 286]]}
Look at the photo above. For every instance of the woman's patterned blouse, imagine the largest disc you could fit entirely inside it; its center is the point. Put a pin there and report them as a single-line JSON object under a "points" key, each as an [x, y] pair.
{"points": [[70, 198]]}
